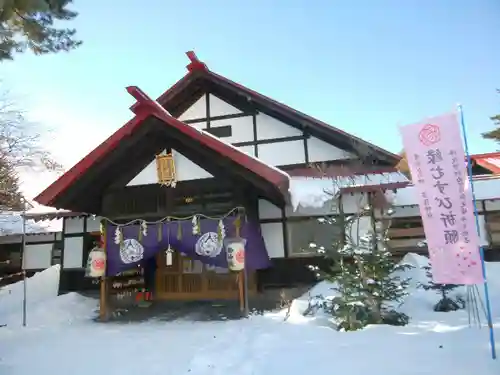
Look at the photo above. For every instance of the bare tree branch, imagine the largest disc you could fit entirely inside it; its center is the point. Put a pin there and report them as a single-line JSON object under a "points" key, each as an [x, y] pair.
{"points": [[21, 148]]}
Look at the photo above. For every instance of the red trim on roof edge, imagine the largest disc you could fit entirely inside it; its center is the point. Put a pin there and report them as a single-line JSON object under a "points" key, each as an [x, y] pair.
{"points": [[47, 196], [483, 161], [144, 108], [197, 65]]}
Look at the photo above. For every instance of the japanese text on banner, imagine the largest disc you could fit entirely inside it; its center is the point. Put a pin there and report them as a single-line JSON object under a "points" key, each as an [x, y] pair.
{"points": [[436, 159]]}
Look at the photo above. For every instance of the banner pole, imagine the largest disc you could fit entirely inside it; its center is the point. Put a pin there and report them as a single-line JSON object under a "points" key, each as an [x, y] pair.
{"points": [[481, 250]]}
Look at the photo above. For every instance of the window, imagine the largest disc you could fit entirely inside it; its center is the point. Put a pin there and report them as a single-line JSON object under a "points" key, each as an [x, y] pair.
{"points": [[302, 232]]}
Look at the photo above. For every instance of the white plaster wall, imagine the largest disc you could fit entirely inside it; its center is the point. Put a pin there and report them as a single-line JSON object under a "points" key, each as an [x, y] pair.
{"points": [[273, 238], [93, 224], [73, 225], [185, 169], [241, 128], [38, 256], [270, 128], [491, 205], [319, 150], [267, 210], [282, 153], [219, 107], [196, 111], [73, 252]]}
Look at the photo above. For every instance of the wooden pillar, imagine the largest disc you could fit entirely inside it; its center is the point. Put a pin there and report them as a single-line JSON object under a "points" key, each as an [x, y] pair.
{"points": [[240, 278], [241, 289], [103, 292]]}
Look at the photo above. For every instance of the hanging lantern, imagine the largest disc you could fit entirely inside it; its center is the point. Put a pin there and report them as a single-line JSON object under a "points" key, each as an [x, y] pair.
{"points": [[165, 168], [235, 253], [96, 263]]}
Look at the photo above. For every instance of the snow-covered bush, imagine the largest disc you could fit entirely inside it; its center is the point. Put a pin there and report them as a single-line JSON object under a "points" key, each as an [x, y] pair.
{"points": [[364, 276], [447, 302]]}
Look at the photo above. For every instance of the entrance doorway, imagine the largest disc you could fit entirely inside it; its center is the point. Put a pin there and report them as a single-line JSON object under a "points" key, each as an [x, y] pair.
{"points": [[189, 279]]}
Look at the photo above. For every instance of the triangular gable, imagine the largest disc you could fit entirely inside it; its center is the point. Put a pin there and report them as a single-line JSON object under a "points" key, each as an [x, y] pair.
{"points": [[174, 100], [277, 180], [185, 170]]}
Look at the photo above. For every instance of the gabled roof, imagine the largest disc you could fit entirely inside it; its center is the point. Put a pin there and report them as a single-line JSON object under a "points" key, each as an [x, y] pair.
{"points": [[199, 77], [146, 112]]}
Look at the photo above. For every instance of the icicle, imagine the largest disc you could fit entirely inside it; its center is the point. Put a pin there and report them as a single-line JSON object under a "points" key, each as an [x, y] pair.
{"points": [[221, 231], [144, 228], [169, 256]]}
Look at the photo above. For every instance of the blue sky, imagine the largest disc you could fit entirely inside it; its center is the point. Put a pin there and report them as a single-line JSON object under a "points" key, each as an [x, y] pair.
{"points": [[363, 66]]}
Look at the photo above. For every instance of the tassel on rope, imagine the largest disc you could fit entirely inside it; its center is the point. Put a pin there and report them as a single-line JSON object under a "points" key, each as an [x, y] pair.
{"points": [[196, 225], [118, 235], [237, 225], [140, 234], [160, 232], [221, 231], [179, 230], [169, 255], [144, 228]]}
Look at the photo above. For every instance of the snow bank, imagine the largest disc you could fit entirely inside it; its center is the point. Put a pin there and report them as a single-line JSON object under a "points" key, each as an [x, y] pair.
{"points": [[419, 303], [433, 343], [43, 305]]}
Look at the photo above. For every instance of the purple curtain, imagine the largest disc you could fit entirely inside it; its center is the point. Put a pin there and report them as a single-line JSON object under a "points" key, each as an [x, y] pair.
{"points": [[205, 247]]}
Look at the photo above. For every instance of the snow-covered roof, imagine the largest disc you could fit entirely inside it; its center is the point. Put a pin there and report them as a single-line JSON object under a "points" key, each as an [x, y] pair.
{"points": [[314, 192], [485, 188], [12, 223]]}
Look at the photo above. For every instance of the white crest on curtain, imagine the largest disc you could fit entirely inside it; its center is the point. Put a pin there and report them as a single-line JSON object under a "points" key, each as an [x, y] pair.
{"points": [[208, 245], [131, 251]]}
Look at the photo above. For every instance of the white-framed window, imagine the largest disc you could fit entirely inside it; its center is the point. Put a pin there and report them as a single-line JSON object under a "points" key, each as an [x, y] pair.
{"points": [[302, 232]]}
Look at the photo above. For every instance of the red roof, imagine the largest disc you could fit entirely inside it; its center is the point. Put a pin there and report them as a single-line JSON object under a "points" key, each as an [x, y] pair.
{"points": [[196, 67], [144, 108], [489, 161]]}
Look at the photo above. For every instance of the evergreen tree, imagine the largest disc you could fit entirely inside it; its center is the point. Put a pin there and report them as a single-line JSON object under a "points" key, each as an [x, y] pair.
{"points": [[11, 197], [365, 277], [29, 24], [446, 303], [495, 133]]}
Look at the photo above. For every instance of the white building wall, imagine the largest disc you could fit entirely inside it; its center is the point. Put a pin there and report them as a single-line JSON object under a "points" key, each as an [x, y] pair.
{"points": [[268, 129], [196, 111], [37, 256]]}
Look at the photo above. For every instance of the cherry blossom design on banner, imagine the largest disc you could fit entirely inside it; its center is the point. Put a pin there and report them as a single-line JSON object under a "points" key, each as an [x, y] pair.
{"points": [[436, 159]]}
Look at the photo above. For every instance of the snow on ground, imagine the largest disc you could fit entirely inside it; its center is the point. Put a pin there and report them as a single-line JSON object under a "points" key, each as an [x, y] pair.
{"points": [[61, 337]]}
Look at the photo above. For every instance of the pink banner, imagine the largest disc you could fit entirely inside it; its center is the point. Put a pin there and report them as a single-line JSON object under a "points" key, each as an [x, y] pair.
{"points": [[435, 156]]}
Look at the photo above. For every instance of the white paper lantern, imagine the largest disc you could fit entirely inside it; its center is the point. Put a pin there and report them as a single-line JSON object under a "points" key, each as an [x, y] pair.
{"points": [[235, 252], [96, 264]]}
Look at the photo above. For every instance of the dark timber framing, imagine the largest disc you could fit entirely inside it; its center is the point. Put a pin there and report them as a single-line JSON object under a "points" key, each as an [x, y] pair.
{"points": [[207, 109]]}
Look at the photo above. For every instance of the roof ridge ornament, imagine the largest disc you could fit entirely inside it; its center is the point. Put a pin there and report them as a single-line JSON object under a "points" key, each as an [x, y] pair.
{"points": [[196, 64]]}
